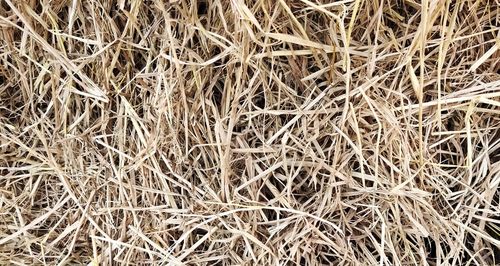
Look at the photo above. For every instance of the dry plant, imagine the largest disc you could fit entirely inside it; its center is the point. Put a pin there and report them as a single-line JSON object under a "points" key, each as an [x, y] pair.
{"points": [[249, 132]]}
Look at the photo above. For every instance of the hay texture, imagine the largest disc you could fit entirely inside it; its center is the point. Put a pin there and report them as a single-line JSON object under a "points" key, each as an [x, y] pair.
{"points": [[249, 132]]}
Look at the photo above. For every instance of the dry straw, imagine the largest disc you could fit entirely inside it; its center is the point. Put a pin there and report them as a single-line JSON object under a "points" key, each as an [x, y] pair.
{"points": [[249, 132]]}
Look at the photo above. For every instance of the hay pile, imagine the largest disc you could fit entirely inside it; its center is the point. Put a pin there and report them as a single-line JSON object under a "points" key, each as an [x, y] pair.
{"points": [[232, 132]]}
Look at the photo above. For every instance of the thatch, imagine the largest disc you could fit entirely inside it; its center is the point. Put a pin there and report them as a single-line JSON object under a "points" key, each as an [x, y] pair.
{"points": [[249, 132]]}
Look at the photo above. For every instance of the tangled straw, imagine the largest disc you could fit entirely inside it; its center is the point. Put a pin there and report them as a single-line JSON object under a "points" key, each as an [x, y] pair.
{"points": [[249, 132]]}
